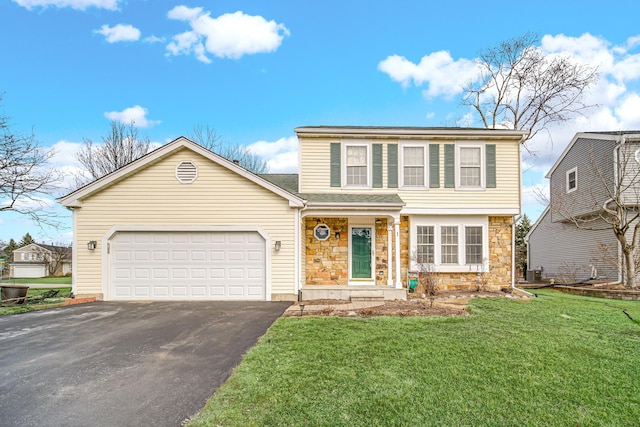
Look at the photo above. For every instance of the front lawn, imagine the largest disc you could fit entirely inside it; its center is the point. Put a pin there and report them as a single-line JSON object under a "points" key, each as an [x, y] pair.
{"points": [[558, 360]]}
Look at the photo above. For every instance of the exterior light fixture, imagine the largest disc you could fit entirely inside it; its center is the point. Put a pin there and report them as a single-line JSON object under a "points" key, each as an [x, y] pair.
{"points": [[338, 235], [92, 245], [278, 245]]}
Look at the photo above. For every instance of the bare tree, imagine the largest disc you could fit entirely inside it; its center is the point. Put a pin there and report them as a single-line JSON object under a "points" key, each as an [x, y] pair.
{"points": [[522, 88], [121, 147], [55, 257], [618, 210], [209, 139], [26, 177]]}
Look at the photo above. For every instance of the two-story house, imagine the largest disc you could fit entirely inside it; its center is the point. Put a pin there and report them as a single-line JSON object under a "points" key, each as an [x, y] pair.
{"points": [[573, 239], [40, 260], [368, 205]]}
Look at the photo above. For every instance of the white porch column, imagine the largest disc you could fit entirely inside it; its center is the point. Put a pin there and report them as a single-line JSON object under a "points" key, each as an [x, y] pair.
{"points": [[396, 233], [389, 253]]}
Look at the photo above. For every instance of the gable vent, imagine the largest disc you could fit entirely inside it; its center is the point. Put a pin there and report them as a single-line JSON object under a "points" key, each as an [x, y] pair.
{"points": [[186, 172]]}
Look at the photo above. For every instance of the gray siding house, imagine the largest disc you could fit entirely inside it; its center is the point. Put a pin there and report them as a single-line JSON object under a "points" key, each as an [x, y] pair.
{"points": [[586, 176]]}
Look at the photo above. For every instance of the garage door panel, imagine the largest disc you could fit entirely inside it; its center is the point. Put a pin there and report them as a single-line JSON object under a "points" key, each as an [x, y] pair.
{"points": [[188, 265]]}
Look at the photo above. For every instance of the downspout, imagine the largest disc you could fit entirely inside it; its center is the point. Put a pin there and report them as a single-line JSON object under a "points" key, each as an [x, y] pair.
{"points": [[513, 226], [616, 159], [513, 258], [296, 248]]}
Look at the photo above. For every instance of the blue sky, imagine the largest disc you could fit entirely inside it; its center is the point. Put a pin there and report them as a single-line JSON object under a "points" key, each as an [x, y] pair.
{"points": [[255, 70]]}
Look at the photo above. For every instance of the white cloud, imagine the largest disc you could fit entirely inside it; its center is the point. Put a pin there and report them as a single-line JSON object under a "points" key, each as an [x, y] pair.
{"points": [[73, 4], [119, 33], [136, 115], [154, 39], [615, 96], [281, 155], [443, 75], [231, 35]]}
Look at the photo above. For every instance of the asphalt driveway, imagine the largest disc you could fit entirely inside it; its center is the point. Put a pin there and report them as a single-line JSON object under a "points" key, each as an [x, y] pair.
{"points": [[122, 364]]}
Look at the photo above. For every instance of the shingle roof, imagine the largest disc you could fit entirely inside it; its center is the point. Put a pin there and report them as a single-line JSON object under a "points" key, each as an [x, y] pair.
{"points": [[352, 199], [286, 181], [289, 182]]}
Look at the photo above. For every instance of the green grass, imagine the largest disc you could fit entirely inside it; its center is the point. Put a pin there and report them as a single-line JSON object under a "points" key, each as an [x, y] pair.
{"points": [[558, 360], [65, 280], [62, 292]]}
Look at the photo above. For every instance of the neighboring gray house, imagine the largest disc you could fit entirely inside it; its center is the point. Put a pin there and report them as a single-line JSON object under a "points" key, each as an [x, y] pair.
{"points": [[585, 177]]}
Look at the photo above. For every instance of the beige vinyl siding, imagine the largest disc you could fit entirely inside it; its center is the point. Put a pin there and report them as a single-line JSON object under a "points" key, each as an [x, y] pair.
{"points": [[315, 169], [153, 196]]}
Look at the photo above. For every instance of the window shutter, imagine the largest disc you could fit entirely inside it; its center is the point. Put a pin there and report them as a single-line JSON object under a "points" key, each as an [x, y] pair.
{"points": [[335, 164], [376, 151], [392, 165], [434, 165], [490, 158], [449, 166]]}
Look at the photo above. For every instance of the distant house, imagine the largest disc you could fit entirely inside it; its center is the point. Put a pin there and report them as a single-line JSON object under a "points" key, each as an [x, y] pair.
{"points": [[369, 203], [40, 260], [581, 182]]}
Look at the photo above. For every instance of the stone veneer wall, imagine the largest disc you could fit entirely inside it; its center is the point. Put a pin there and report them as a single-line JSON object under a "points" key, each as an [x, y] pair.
{"points": [[327, 262], [404, 249], [499, 274], [382, 258]]}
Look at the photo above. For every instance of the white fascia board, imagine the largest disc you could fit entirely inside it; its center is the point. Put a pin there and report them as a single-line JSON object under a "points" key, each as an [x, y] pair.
{"points": [[579, 135], [535, 224], [402, 132], [341, 213], [460, 211], [74, 199]]}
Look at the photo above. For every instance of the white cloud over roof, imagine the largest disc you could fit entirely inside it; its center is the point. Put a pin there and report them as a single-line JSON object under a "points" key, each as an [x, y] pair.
{"points": [[231, 35], [281, 155], [614, 100], [119, 33], [73, 4], [136, 115]]}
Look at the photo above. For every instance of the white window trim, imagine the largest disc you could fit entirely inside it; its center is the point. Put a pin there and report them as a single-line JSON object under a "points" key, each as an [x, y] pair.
{"points": [[343, 163], [483, 172], [461, 222], [425, 148], [574, 170]]}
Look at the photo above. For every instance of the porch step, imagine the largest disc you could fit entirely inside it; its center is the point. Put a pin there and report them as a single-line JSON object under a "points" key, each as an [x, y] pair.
{"points": [[367, 296]]}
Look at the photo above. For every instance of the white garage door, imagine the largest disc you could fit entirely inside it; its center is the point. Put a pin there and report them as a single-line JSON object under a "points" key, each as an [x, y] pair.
{"points": [[29, 271], [187, 265]]}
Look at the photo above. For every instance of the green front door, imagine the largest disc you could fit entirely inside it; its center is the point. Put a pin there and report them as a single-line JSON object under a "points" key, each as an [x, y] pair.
{"points": [[361, 253]]}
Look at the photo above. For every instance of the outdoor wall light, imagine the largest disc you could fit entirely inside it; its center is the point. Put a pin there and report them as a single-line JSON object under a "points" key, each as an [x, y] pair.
{"points": [[338, 235], [278, 245], [92, 245]]}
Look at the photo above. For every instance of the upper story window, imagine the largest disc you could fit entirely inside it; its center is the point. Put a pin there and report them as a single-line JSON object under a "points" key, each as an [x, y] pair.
{"points": [[32, 256], [413, 170], [572, 180], [470, 167], [357, 166]]}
